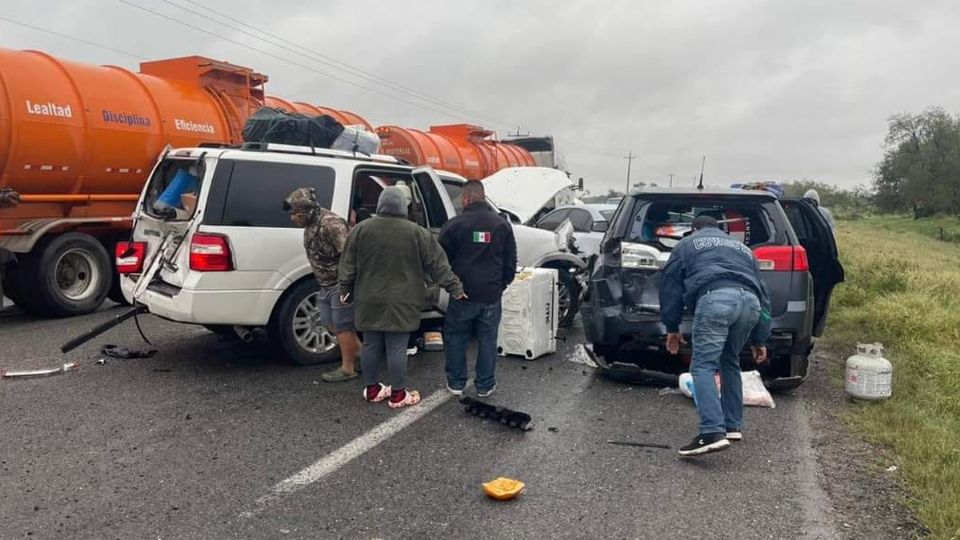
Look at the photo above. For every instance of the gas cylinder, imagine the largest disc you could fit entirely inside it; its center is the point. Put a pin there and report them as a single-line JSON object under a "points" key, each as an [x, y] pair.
{"points": [[869, 374]]}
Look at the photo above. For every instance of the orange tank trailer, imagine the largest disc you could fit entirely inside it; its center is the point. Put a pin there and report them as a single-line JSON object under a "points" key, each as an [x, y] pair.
{"points": [[459, 148], [77, 141]]}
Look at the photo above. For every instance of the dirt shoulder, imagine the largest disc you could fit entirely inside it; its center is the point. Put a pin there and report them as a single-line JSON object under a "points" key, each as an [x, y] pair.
{"points": [[866, 499]]}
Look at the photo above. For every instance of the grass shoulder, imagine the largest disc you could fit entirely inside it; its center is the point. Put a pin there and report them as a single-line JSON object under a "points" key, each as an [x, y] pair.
{"points": [[901, 290]]}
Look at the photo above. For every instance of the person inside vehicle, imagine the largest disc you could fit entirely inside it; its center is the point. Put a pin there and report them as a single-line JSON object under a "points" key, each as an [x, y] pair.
{"points": [[386, 261], [827, 214], [719, 277], [483, 253], [324, 236]]}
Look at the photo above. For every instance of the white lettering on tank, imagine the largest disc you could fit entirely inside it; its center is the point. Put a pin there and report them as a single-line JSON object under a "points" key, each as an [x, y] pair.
{"points": [[194, 127], [49, 109]]}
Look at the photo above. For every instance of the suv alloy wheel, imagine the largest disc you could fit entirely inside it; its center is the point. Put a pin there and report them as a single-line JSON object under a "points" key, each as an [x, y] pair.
{"points": [[296, 327]]}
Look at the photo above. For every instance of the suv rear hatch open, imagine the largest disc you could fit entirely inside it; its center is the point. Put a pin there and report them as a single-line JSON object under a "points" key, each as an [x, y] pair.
{"points": [[162, 223]]}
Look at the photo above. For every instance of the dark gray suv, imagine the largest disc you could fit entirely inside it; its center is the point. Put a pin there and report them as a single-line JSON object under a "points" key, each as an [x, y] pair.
{"points": [[793, 244]]}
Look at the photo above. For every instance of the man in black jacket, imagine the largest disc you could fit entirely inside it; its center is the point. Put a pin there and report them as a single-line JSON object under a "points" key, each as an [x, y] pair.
{"points": [[483, 253]]}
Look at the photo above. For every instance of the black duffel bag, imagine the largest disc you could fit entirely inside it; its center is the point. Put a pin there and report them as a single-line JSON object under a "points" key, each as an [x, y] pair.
{"points": [[271, 125]]}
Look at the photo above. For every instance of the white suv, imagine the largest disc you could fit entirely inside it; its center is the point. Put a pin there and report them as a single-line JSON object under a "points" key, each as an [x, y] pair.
{"points": [[220, 251]]}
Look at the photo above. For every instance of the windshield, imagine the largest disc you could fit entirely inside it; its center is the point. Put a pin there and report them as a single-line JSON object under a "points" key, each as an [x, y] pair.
{"points": [[455, 191], [173, 189]]}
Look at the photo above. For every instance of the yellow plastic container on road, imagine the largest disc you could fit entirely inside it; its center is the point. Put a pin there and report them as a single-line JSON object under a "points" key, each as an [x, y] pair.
{"points": [[503, 489]]}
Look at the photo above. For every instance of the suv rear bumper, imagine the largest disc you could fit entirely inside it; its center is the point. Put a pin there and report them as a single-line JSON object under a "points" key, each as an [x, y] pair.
{"points": [[609, 329], [219, 307]]}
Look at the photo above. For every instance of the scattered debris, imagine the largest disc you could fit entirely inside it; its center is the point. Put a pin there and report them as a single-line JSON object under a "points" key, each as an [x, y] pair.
{"points": [[503, 489], [892, 468], [667, 391], [503, 415], [37, 373], [581, 355], [101, 328], [640, 444], [125, 353], [553, 429]]}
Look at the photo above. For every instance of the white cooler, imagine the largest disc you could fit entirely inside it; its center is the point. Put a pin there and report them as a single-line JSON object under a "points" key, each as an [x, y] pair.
{"points": [[530, 306]]}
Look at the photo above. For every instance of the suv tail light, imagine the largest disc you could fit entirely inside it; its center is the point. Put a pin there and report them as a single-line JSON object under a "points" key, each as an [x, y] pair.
{"points": [[210, 253], [638, 256], [782, 258], [129, 256]]}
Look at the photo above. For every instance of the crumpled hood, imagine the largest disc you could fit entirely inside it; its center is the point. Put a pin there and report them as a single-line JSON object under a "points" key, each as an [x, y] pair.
{"points": [[524, 191]]}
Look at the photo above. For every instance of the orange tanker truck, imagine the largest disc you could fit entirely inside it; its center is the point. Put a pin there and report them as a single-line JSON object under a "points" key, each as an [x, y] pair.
{"points": [[77, 142]]}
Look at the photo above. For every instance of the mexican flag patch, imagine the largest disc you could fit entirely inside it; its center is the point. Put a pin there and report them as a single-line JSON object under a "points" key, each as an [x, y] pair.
{"points": [[481, 237]]}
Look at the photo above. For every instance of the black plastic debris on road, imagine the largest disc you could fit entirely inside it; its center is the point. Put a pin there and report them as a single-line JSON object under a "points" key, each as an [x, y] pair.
{"points": [[126, 353], [505, 416], [640, 444]]}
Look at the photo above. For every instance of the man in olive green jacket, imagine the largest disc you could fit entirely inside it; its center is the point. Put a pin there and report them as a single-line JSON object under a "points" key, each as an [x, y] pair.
{"points": [[383, 270]]}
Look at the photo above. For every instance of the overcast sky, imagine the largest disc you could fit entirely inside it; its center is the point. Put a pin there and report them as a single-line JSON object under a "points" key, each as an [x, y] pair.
{"points": [[765, 89]]}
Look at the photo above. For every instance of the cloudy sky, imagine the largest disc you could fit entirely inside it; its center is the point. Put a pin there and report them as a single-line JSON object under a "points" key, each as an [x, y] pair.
{"points": [[765, 89]]}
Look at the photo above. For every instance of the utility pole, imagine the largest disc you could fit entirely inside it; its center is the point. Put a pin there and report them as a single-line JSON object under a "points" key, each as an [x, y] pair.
{"points": [[629, 157], [671, 175]]}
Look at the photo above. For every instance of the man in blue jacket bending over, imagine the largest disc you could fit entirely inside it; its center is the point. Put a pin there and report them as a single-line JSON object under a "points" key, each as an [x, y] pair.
{"points": [[718, 276]]}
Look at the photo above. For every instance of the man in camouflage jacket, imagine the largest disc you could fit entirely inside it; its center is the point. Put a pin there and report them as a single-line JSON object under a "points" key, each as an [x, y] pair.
{"points": [[324, 236]]}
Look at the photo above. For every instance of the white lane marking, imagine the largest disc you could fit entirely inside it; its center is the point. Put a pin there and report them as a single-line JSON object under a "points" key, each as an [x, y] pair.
{"points": [[352, 450]]}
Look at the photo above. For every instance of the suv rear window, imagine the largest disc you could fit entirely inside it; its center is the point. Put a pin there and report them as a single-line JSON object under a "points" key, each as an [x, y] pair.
{"points": [[173, 189], [664, 222], [256, 191]]}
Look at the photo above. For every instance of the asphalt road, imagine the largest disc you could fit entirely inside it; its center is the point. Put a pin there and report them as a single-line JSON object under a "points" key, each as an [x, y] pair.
{"points": [[197, 442]]}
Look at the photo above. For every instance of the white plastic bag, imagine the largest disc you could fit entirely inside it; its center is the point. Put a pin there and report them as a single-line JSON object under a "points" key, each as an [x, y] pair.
{"points": [[754, 393]]}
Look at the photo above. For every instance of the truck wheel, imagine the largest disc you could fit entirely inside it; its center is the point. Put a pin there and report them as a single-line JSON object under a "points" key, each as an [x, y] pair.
{"points": [[296, 329], [71, 275], [16, 287], [7, 277], [569, 298]]}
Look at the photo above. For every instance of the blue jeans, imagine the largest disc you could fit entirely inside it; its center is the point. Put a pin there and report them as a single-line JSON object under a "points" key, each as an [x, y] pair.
{"points": [[463, 321], [722, 324]]}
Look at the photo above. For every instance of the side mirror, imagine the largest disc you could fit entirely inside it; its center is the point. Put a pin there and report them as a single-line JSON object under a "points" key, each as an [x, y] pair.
{"points": [[600, 226]]}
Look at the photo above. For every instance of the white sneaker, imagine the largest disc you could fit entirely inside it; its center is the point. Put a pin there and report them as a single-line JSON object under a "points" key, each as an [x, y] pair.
{"points": [[412, 351], [486, 393], [454, 391]]}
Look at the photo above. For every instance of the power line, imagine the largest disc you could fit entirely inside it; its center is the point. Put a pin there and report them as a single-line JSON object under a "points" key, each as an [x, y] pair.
{"points": [[276, 56], [337, 64], [283, 59], [72, 38]]}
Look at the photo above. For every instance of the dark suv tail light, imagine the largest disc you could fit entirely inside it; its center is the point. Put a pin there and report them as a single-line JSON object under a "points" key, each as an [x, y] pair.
{"points": [[210, 253], [129, 256], [782, 258]]}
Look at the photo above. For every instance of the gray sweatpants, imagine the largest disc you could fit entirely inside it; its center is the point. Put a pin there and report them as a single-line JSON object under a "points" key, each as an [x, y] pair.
{"points": [[389, 345]]}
